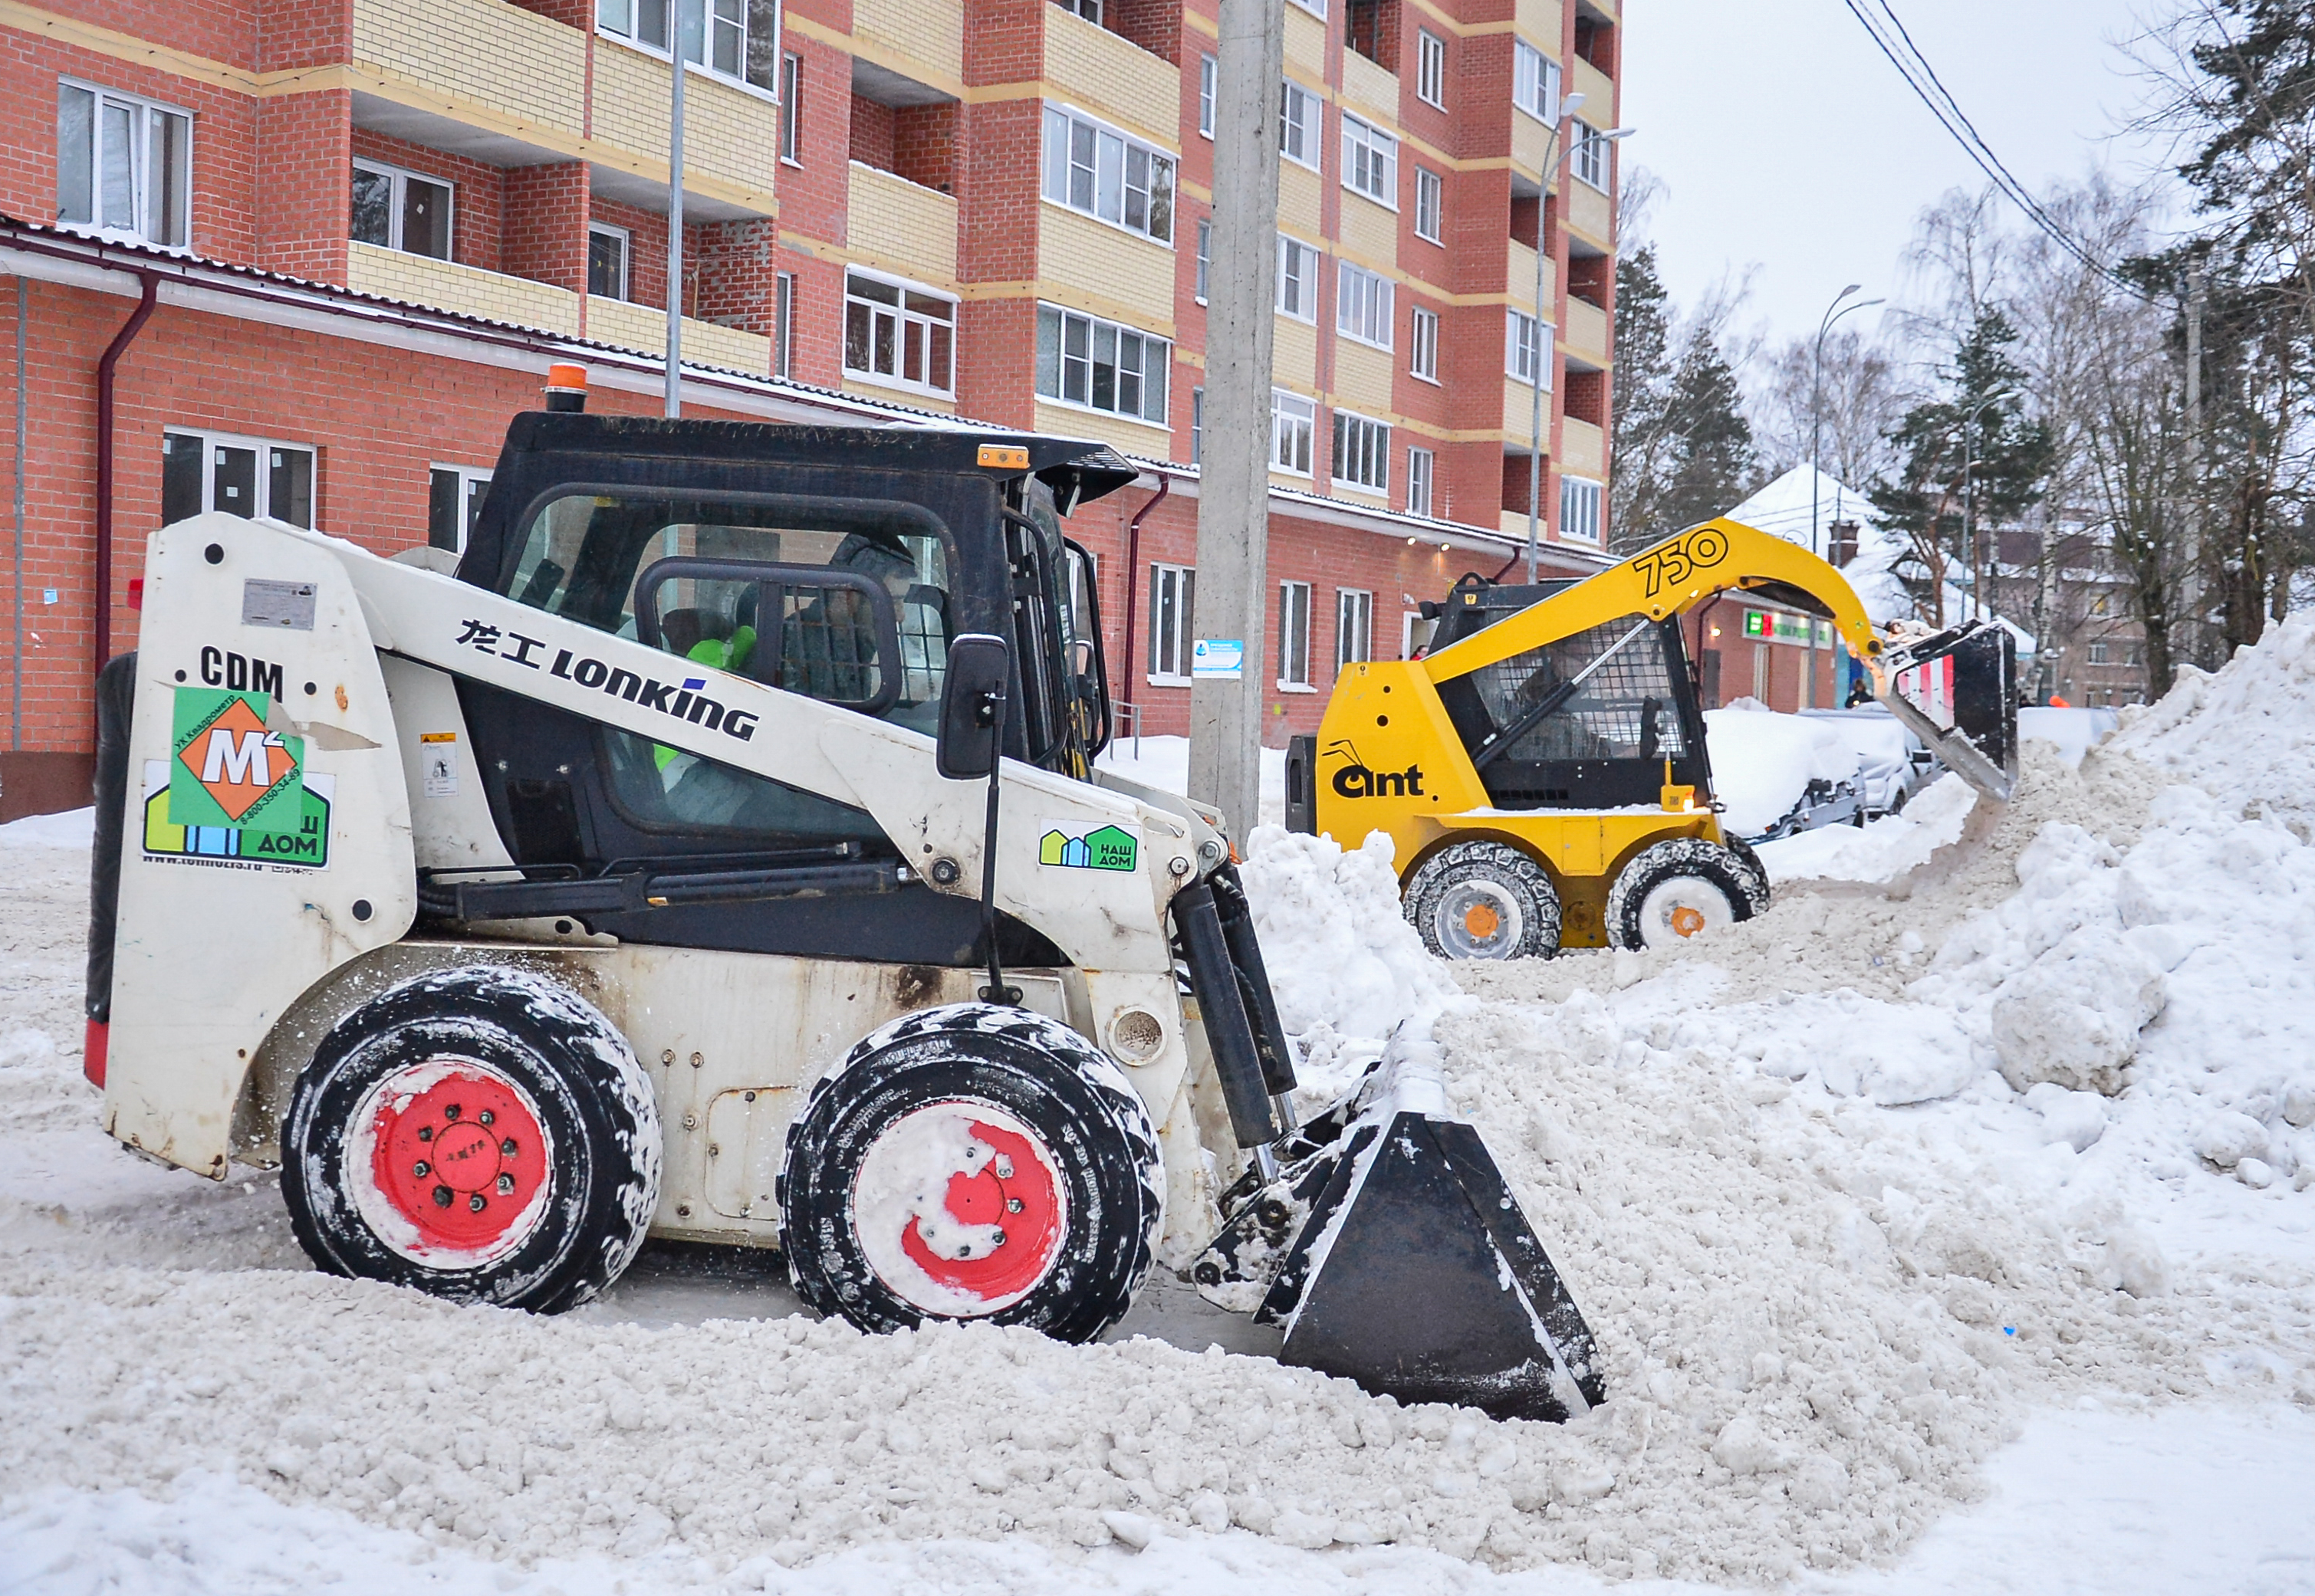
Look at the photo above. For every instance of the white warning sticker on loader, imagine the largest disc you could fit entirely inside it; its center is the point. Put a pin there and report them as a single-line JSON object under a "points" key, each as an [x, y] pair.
{"points": [[237, 848]]}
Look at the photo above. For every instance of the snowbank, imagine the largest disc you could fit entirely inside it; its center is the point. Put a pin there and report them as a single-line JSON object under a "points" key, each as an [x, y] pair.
{"points": [[1879, 851], [74, 828], [1764, 761]]}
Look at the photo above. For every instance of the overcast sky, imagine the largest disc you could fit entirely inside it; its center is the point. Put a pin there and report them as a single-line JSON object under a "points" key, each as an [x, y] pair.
{"points": [[1784, 138]]}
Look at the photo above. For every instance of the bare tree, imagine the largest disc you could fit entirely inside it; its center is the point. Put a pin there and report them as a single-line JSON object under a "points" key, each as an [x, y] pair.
{"points": [[1864, 392]]}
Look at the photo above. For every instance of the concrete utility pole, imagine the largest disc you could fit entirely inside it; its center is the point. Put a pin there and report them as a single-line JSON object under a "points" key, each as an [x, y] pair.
{"points": [[673, 404], [1234, 461]]}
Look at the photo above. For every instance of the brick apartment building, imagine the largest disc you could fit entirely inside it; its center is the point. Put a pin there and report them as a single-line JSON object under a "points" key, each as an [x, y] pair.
{"points": [[306, 257]]}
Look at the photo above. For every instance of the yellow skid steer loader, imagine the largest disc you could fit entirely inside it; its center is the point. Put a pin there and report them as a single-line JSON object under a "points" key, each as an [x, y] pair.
{"points": [[716, 854], [1542, 771]]}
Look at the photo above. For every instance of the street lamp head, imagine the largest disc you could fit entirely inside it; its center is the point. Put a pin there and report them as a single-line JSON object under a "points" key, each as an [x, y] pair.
{"points": [[1569, 104], [1617, 133], [1846, 292]]}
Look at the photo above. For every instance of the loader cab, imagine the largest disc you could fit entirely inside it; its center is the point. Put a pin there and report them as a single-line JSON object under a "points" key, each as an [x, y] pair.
{"points": [[836, 563], [1605, 746]]}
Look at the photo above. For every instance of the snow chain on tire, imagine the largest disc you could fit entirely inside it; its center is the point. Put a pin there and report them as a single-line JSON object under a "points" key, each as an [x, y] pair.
{"points": [[1689, 884], [1484, 900], [482, 1134], [973, 1161]]}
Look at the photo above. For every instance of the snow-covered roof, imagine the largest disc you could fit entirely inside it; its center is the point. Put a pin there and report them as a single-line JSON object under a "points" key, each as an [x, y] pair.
{"points": [[1785, 507]]}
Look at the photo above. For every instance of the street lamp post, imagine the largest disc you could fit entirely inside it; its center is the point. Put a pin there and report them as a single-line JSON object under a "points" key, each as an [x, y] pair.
{"points": [[1832, 313], [1969, 497], [671, 403]]}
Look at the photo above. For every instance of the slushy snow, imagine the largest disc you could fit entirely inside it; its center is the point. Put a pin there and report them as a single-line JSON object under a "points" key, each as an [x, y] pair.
{"points": [[2014, 1132]]}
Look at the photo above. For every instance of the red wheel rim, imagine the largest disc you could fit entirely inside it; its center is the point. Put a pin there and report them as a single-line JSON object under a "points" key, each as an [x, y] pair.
{"points": [[959, 1209], [458, 1164]]}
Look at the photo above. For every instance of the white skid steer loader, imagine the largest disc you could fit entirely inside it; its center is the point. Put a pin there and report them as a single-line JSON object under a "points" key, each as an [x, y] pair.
{"points": [[656, 873]]}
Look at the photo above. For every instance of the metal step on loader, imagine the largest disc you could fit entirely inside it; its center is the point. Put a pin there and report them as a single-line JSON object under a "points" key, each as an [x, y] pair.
{"points": [[717, 854], [1542, 773]]}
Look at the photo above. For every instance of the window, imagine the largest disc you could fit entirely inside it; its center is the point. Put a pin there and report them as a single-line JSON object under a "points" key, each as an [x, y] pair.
{"points": [[607, 261], [1298, 115], [1292, 420], [1430, 205], [1431, 68], [1353, 626], [1088, 9], [1293, 635], [454, 502], [1315, 7], [1579, 509], [1414, 634], [243, 476], [1370, 162], [1362, 453], [401, 210], [1420, 463], [1084, 361], [1423, 360], [734, 39], [1588, 156], [1205, 254], [1197, 424], [898, 334], [1362, 305], [783, 332], [1091, 168], [2098, 652], [1535, 82], [1525, 351], [1209, 71], [792, 110], [1173, 594], [124, 166], [1298, 279]]}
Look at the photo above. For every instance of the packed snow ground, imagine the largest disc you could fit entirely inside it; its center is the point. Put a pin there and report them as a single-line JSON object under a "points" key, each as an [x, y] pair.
{"points": [[1948, 1228]]}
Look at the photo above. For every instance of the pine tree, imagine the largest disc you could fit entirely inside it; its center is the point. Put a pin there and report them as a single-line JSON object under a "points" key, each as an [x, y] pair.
{"points": [[1682, 448]]}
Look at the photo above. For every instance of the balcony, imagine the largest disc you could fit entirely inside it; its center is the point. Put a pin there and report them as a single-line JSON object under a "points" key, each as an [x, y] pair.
{"points": [[901, 225], [1094, 68], [730, 136], [1586, 333], [1306, 43], [1539, 21], [466, 290], [923, 39], [705, 343], [1599, 91], [1519, 278], [1519, 413], [1108, 272], [1369, 89], [1582, 449], [517, 67], [1532, 146], [1590, 213]]}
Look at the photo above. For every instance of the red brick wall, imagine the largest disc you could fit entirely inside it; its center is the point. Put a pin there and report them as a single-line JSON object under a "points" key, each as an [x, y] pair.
{"points": [[478, 195], [872, 134], [736, 268], [291, 34], [1156, 25], [543, 226], [924, 146], [306, 153]]}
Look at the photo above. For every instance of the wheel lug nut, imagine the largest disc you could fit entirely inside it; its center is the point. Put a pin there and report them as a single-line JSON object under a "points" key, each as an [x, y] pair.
{"points": [[507, 1148], [1013, 1205], [1000, 1238], [475, 1203], [452, 1111], [419, 1169], [441, 1196], [425, 1132], [485, 1117], [506, 1185]]}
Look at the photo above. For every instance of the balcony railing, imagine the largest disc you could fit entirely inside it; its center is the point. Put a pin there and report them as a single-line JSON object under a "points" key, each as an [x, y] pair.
{"points": [[1586, 331], [901, 225], [466, 290], [1111, 78], [705, 343]]}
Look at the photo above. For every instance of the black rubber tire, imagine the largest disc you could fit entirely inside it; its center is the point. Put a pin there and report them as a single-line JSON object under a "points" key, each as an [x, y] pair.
{"points": [[1072, 1096], [1734, 871], [1434, 887], [593, 1100]]}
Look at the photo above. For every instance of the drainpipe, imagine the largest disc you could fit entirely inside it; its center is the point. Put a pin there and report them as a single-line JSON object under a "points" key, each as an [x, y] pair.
{"points": [[150, 288], [1132, 581]]}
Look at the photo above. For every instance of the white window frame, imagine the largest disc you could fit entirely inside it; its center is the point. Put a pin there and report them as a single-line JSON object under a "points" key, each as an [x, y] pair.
{"points": [[718, 25], [1523, 332], [1410, 622], [903, 317], [1293, 428], [1580, 504], [209, 442], [1370, 162], [402, 177], [1589, 159], [472, 481], [1090, 10], [1152, 376], [1173, 615], [1430, 68], [144, 193], [2098, 652], [1422, 345], [1205, 256], [1316, 8], [1363, 444], [627, 241], [1365, 304], [1353, 627], [1209, 81], [792, 108], [1535, 82], [1298, 279], [1197, 424], [784, 286], [1422, 472], [1429, 206], [1293, 639], [1061, 159], [1301, 124]]}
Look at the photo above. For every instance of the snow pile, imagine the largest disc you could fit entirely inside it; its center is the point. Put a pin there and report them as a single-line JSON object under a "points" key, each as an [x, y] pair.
{"points": [[1345, 966], [1762, 761], [1880, 850], [2245, 734], [2073, 732], [72, 829]]}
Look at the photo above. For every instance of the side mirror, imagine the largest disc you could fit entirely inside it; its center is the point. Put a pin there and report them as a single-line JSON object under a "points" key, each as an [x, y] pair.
{"points": [[973, 698]]}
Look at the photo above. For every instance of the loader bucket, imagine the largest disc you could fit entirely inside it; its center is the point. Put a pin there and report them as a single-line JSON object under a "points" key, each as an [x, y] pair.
{"points": [[1411, 1270], [1957, 691]]}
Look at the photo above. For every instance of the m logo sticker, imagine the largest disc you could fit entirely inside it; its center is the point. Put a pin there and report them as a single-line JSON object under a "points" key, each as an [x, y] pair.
{"points": [[228, 769], [1108, 849]]}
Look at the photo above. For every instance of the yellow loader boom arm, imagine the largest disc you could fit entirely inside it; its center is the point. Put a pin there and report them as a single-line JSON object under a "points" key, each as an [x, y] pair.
{"points": [[1671, 578]]}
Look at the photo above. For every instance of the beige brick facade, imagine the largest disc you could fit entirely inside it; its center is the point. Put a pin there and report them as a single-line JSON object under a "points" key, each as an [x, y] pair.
{"points": [[901, 226], [1092, 266], [1369, 234], [1363, 378], [486, 52], [393, 275], [928, 33], [1586, 333], [1138, 437], [1093, 69], [705, 343]]}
